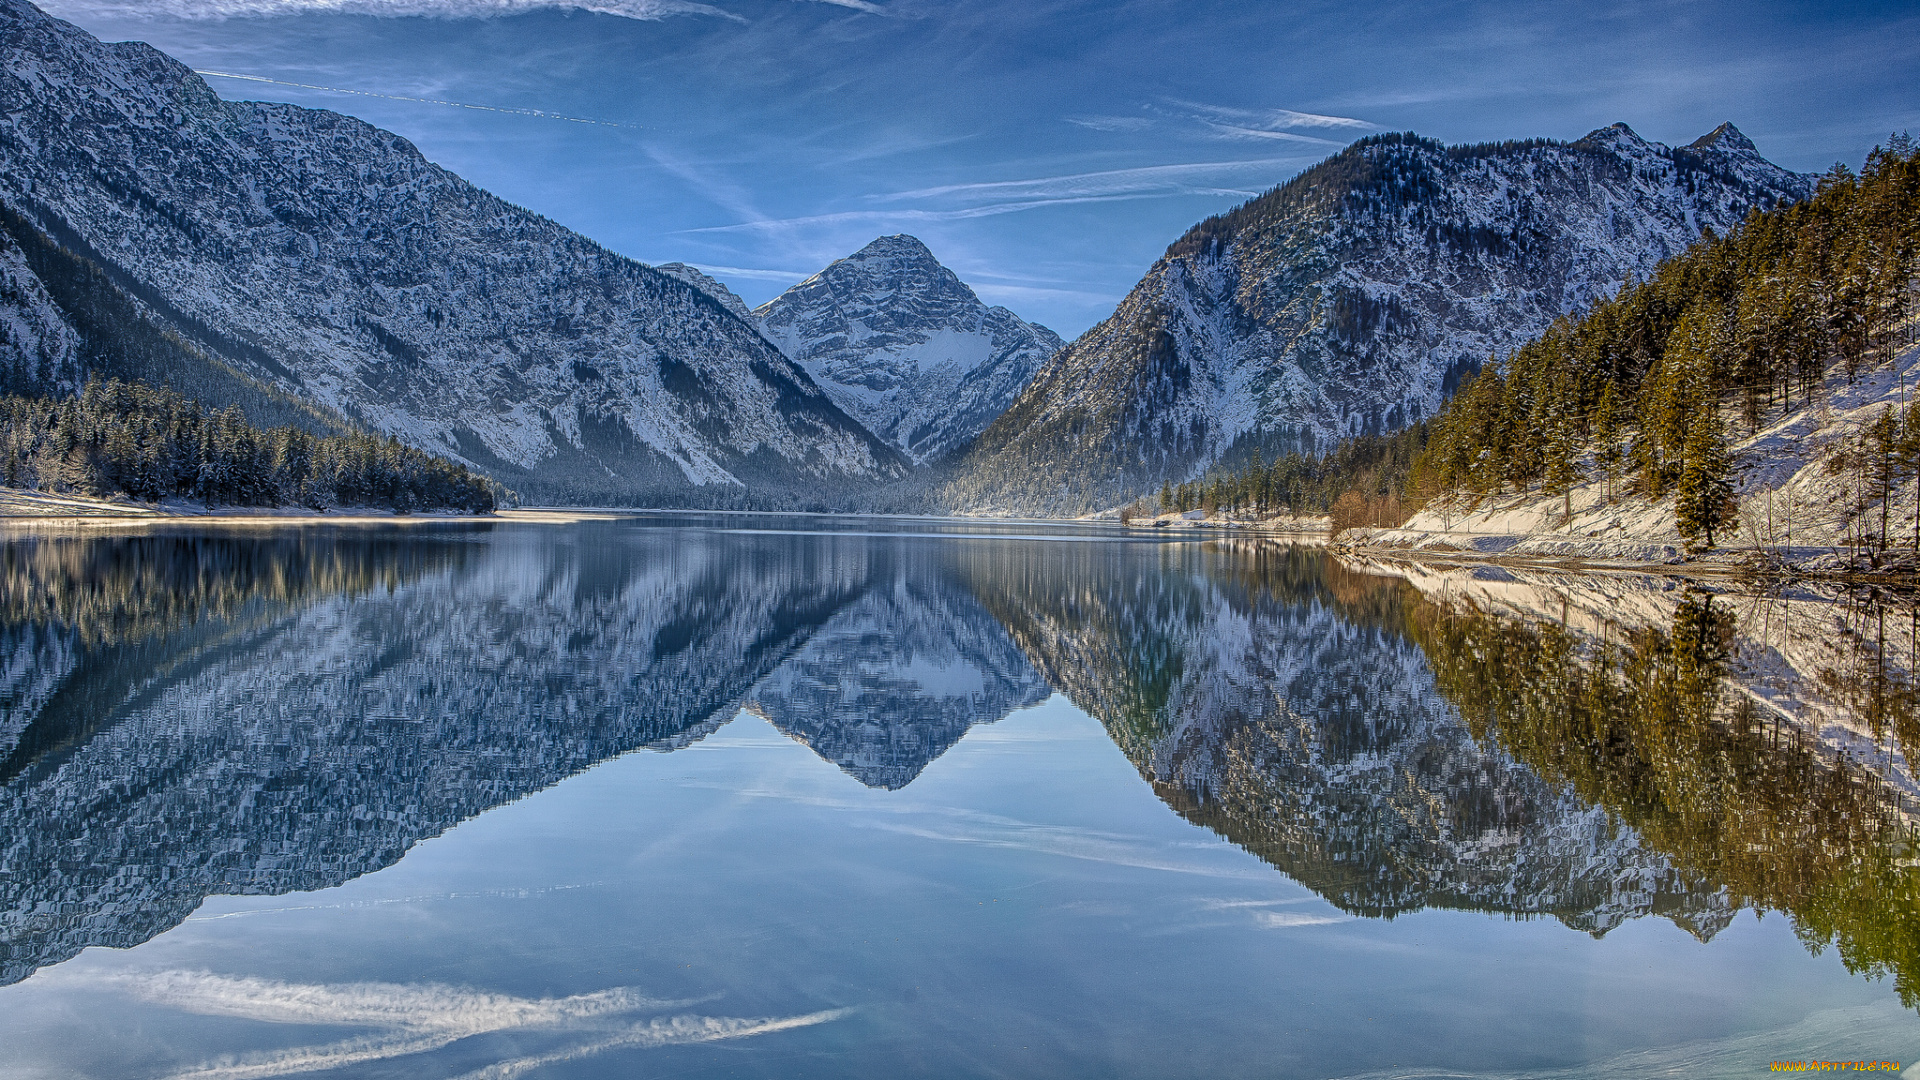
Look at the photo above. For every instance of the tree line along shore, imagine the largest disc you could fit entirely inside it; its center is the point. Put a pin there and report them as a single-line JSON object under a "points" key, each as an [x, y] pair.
{"points": [[146, 443]]}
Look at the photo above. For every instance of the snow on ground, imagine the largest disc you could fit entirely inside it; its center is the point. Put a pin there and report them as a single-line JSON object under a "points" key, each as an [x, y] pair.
{"points": [[17, 503], [1794, 504], [1306, 524]]}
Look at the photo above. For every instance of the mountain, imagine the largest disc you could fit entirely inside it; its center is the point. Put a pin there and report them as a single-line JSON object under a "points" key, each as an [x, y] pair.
{"points": [[1351, 300], [317, 269], [1752, 393], [711, 286], [905, 347]]}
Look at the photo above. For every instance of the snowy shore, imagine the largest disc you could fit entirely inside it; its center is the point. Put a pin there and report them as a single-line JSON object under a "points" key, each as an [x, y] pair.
{"points": [[21, 506], [1808, 503]]}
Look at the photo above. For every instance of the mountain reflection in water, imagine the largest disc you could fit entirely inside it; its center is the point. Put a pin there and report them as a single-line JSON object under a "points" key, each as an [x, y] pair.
{"points": [[187, 714]]}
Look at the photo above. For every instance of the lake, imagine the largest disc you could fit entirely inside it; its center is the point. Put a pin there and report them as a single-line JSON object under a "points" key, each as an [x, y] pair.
{"points": [[736, 796]]}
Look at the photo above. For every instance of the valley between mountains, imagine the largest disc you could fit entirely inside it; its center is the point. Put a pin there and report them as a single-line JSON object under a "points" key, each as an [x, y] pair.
{"points": [[301, 275]]}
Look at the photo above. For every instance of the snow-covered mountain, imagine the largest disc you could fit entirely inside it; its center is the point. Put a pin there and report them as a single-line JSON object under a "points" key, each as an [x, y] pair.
{"points": [[905, 347], [1352, 299], [294, 259], [713, 287]]}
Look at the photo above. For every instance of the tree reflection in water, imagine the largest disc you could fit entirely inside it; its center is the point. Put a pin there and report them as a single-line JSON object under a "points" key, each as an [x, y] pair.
{"points": [[1787, 786]]}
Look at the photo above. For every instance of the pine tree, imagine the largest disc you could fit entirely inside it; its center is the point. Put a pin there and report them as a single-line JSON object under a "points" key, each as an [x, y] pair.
{"points": [[1605, 425], [1703, 497]]}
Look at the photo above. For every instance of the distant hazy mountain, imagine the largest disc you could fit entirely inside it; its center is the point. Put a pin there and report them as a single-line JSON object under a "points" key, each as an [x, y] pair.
{"points": [[315, 268], [1352, 299], [905, 347]]}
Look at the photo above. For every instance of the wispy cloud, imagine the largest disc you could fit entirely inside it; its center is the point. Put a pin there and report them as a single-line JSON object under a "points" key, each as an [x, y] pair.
{"points": [[420, 1018], [446, 9], [1273, 118], [1067, 841], [1180, 179], [754, 274], [1280, 920], [679, 1030], [542, 113], [1272, 124], [1014, 294], [1110, 123], [703, 180], [902, 217], [995, 197]]}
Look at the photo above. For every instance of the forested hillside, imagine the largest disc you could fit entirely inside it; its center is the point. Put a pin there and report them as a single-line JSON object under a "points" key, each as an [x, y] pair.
{"points": [[1646, 392], [150, 443]]}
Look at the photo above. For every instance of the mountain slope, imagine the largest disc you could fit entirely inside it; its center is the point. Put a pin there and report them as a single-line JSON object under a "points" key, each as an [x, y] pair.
{"points": [[905, 347], [1350, 300], [332, 265]]}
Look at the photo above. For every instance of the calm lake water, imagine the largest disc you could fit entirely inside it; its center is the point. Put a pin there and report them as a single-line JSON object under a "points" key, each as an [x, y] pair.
{"points": [[722, 796]]}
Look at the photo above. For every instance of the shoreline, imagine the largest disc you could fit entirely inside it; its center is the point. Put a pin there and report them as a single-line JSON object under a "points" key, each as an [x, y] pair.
{"points": [[1749, 564], [23, 509]]}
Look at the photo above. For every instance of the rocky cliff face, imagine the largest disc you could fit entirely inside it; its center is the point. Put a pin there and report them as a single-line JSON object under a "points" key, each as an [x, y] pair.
{"points": [[904, 346], [1351, 300], [308, 259]]}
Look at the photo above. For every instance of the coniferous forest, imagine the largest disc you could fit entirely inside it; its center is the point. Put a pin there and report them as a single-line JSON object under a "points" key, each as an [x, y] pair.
{"points": [[150, 443], [1358, 481], [1648, 389]]}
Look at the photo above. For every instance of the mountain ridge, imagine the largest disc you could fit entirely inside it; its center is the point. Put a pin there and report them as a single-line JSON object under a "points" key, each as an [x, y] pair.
{"points": [[1351, 300]]}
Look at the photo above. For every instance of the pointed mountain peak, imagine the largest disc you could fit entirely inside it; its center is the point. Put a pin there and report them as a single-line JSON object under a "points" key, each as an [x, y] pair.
{"points": [[1725, 137], [1615, 135], [905, 346], [895, 259], [897, 244]]}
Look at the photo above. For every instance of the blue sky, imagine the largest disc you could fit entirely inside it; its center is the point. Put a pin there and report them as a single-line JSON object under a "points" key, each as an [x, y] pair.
{"points": [[1046, 150]]}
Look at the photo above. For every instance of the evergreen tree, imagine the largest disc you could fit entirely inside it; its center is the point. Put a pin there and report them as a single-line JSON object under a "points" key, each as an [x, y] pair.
{"points": [[1703, 499]]}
